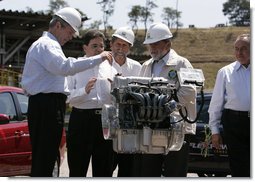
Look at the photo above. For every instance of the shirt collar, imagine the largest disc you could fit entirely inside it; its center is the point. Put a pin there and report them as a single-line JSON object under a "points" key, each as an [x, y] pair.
{"points": [[126, 63], [50, 35], [164, 59], [238, 66]]}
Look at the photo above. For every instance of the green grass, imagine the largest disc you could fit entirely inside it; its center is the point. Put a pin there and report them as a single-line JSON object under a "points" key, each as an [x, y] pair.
{"points": [[208, 49], [210, 72]]}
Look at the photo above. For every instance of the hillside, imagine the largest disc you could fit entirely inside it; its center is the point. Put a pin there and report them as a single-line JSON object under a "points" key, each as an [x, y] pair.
{"points": [[207, 45], [207, 49]]}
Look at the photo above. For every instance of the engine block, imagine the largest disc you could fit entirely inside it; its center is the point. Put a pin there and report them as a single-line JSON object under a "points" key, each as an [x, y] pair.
{"points": [[143, 117]]}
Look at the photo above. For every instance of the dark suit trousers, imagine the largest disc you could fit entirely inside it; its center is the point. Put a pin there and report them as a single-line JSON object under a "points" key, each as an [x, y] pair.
{"points": [[236, 127], [85, 140], [45, 121]]}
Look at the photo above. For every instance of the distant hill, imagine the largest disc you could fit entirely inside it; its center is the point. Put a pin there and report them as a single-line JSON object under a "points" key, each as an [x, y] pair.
{"points": [[198, 45], [208, 45], [207, 49]]}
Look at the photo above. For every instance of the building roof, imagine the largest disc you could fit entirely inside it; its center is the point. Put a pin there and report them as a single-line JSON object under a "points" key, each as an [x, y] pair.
{"points": [[20, 24], [19, 29]]}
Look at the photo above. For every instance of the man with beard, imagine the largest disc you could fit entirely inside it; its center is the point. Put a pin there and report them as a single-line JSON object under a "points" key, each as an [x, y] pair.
{"points": [[163, 63]]}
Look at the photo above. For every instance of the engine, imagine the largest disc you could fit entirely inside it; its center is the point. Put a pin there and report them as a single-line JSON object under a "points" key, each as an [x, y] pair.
{"points": [[144, 116]]}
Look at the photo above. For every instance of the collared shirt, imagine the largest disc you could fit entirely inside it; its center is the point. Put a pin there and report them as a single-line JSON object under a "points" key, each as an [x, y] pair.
{"points": [[231, 91], [46, 66], [158, 65], [129, 68], [95, 99]]}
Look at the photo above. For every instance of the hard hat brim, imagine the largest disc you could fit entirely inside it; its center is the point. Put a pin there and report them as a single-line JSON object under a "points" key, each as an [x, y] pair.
{"points": [[149, 42], [153, 41], [77, 33], [120, 37]]}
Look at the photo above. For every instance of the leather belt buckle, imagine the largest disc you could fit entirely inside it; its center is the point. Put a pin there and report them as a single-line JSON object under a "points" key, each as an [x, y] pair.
{"points": [[99, 112]]}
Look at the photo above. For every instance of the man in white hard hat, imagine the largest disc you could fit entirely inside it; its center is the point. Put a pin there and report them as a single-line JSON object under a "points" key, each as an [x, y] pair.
{"points": [[121, 43], [85, 137], [44, 81], [164, 63]]}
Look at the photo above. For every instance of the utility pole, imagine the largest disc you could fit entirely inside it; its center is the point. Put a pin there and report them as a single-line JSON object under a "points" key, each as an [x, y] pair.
{"points": [[177, 23]]}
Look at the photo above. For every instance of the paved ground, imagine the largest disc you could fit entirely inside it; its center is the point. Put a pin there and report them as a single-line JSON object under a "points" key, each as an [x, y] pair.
{"points": [[64, 171]]}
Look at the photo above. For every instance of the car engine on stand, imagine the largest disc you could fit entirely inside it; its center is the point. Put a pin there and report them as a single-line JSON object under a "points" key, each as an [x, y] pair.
{"points": [[144, 116]]}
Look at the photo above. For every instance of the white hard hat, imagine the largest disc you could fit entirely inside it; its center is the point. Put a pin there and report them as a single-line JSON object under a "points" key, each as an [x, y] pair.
{"points": [[126, 34], [72, 17], [157, 32]]}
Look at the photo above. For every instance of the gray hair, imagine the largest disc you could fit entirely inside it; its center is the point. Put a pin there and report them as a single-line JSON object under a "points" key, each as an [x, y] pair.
{"points": [[244, 37], [56, 19]]}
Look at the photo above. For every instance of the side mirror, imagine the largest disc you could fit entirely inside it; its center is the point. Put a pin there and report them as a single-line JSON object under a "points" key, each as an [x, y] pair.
{"points": [[4, 119]]}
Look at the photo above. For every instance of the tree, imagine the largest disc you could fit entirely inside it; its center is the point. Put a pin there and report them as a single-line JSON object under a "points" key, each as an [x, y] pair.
{"points": [[55, 5], [29, 9], [170, 17], [134, 16], [146, 14], [96, 24], [238, 12], [143, 14], [107, 7]]}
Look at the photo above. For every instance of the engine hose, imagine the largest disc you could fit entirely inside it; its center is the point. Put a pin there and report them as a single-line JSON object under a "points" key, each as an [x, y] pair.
{"points": [[161, 101], [185, 118], [154, 107], [139, 97], [148, 106]]}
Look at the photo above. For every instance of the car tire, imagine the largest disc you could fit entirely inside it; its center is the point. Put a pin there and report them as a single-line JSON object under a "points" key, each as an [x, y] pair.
{"points": [[56, 169]]}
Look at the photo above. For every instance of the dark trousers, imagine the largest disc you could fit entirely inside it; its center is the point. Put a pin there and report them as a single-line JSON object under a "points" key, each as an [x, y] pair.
{"points": [[236, 127], [45, 121], [174, 164], [85, 140], [125, 164]]}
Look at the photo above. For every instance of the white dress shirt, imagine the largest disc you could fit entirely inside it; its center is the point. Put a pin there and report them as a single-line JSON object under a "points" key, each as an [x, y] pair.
{"points": [[129, 68], [158, 65], [46, 66], [96, 98], [231, 91]]}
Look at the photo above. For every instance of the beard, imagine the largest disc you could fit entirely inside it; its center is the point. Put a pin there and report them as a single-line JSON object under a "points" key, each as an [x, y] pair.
{"points": [[119, 54], [156, 56]]}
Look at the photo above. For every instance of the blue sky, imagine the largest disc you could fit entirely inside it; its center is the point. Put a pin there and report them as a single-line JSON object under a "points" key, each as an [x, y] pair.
{"points": [[201, 13]]}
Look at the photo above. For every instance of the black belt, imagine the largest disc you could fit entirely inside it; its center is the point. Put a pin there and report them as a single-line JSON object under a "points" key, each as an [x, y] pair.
{"points": [[91, 111], [238, 113], [60, 95]]}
